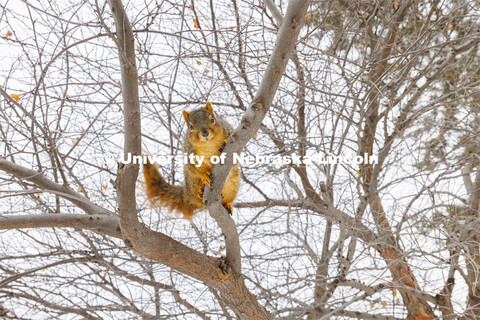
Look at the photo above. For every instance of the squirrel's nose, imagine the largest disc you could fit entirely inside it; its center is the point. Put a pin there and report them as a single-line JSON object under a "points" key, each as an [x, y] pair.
{"points": [[205, 133]]}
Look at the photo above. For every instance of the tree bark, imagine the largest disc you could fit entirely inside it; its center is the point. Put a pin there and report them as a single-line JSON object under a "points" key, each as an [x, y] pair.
{"points": [[103, 224], [250, 123], [393, 255], [160, 247]]}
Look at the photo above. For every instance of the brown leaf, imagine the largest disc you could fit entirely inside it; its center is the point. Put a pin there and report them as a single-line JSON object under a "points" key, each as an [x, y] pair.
{"points": [[195, 24]]}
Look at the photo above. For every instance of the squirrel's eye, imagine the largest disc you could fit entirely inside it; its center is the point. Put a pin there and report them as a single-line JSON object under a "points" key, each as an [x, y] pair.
{"points": [[191, 127], [212, 120]]}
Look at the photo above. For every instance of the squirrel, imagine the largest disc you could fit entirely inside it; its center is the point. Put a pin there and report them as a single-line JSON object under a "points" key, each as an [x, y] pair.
{"points": [[206, 136]]}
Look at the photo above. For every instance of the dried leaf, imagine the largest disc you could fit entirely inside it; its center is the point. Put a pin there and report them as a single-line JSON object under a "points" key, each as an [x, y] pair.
{"points": [[195, 24]]}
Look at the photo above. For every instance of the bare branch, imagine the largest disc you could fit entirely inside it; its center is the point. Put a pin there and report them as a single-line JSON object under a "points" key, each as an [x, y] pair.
{"points": [[251, 122], [49, 186], [103, 224], [151, 244]]}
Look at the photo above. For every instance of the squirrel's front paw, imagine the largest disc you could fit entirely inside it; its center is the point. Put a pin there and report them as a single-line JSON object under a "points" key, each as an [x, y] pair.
{"points": [[207, 179], [222, 147], [200, 192]]}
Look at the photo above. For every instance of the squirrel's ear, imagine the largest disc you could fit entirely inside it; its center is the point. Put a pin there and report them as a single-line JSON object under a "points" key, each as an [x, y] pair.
{"points": [[185, 115], [208, 106]]}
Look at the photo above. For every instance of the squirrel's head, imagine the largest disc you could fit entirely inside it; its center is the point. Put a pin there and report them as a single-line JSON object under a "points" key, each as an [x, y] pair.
{"points": [[202, 125]]}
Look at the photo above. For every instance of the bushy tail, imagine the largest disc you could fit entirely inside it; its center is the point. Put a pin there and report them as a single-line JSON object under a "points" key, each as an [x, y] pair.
{"points": [[160, 192]]}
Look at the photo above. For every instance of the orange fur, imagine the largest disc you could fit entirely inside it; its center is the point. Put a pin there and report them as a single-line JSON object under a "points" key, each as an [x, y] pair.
{"points": [[206, 135], [160, 192]]}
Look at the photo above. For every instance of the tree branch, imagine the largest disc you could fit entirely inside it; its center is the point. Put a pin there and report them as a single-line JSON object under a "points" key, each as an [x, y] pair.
{"points": [[154, 245], [49, 186], [251, 121], [100, 223], [17, 276]]}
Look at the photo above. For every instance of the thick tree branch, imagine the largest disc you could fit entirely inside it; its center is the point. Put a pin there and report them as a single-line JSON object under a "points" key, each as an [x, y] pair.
{"points": [[99, 223], [154, 245]]}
